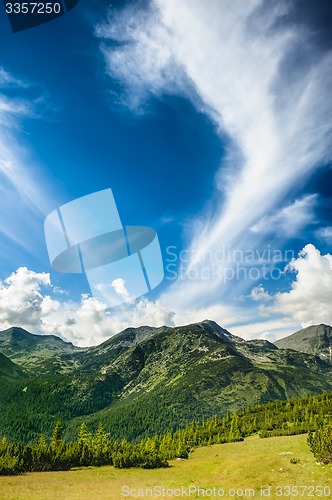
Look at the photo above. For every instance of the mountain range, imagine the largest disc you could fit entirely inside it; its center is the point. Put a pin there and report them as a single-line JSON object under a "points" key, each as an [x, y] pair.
{"points": [[146, 380]]}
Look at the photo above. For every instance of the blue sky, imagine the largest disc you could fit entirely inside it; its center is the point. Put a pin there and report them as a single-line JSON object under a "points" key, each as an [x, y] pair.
{"points": [[212, 126]]}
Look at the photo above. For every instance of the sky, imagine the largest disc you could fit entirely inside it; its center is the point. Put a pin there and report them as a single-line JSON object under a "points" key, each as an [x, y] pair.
{"points": [[211, 122]]}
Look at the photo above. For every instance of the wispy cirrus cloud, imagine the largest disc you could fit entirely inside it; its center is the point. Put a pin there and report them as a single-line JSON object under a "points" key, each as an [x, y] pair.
{"points": [[262, 74], [7, 79], [289, 220], [23, 198]]}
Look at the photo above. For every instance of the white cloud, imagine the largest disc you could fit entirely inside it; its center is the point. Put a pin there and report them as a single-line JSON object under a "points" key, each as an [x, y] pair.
{"points": [[231, 60], [156, 72], [21, 300], [8, 80], [236, 62], [290, 220], [90, 323], [119, 286], [12, 107], [309, 299], [26, 300], [258, 294], [270, 329], [324, 234]]}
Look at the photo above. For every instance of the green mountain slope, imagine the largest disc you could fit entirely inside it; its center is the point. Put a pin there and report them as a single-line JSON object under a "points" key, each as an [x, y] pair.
{"points": [[315, 340], [46, 353], [147, 380], [9, 370]]}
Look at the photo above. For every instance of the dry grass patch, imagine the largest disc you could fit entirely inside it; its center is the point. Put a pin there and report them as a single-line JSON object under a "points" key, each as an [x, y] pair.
{"points": [[245, 466]]}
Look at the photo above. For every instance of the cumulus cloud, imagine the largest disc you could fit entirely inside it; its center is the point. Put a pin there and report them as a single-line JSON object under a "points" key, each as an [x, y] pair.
{"points": [[257, 73], [258, 294], [309, 299], [27, 299], [119, 286], [21, 300]]}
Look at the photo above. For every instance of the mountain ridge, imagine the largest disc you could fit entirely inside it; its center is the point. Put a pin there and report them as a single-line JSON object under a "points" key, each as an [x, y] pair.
{"points": [[137, 334], [31, 350], [314, 339]]}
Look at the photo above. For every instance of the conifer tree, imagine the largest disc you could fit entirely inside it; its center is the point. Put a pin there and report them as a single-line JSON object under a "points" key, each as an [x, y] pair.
{"points": [[84, 442], [100, 446], [234, 431], [57, 436]]}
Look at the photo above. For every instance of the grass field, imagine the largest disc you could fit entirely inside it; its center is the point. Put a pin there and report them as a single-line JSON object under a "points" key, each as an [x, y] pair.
{"points": [[238, 470]]}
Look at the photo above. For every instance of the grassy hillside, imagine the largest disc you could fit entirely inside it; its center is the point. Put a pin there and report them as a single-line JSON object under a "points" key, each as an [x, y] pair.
{"points": [[243, 466]]}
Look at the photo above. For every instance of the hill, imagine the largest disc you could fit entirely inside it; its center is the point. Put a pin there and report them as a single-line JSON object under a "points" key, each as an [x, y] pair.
{"points": [[316, 340]]}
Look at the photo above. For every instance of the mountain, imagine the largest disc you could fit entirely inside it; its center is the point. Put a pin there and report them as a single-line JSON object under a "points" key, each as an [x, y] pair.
{"points": [[315, 340], [47, 353], [146, 380]]}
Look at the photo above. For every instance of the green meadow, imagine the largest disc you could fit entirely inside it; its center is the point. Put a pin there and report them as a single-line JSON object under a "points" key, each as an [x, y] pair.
{"points": [[276, 467]]}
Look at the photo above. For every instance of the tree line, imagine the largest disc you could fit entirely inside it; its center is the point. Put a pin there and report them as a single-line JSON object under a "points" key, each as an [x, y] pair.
{"points": [[100, 448], [311, 414]]}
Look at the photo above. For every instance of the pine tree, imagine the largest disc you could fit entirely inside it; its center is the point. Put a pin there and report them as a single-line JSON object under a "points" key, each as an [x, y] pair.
{"points": [[84, 443], [57, 435], [234, 432], [41, 456], [58, 449], [100, 447]]}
